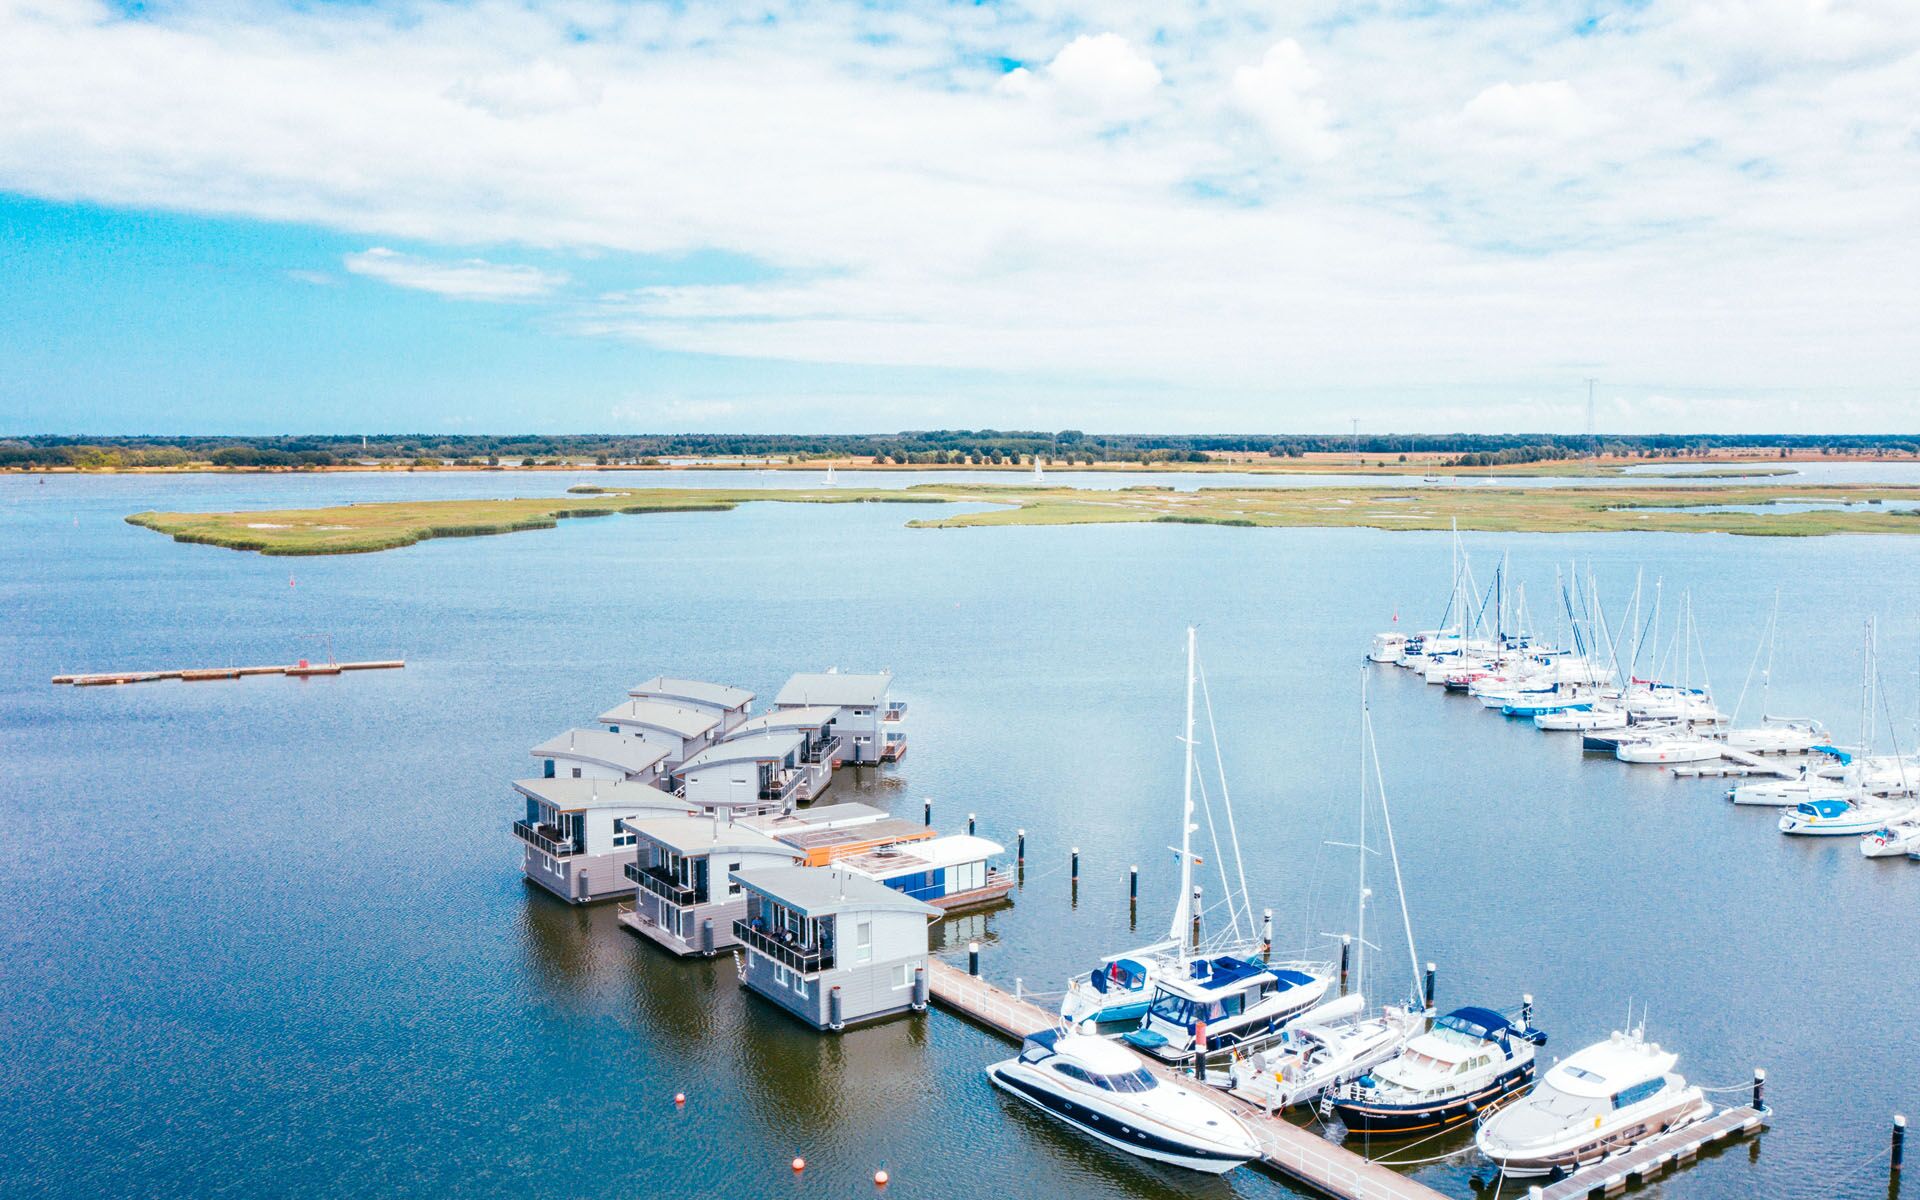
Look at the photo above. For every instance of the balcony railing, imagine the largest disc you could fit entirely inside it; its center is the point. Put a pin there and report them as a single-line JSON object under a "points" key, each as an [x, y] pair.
{"points": [[823, 751], [781, 785], [544, 838], [896, 711], [667, 888], [808, 960], [894, 747]]}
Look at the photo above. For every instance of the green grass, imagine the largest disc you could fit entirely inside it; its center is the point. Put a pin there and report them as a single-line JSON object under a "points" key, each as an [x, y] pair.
{"points": [[362, 528]]}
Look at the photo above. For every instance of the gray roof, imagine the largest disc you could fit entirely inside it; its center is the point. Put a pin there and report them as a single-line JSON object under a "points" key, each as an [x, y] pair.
{"points": [[657, 714], [615, 750], [703, 835], [578, 795], [811, 716], [758, 747], [693, 691], [836, 689], [820, 816], [822, 891]]}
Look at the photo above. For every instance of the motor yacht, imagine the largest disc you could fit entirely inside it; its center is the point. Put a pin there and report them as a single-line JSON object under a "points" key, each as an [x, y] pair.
{"points": [[1470, 1061], [1838, 817], [1102, 1089], [1217, 1004], [1603, 1100], [1322, 1050], [1116, 990], [1387, 647]]}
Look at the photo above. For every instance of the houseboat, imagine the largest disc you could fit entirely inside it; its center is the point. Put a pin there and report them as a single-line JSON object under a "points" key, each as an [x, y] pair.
{"points": [[950, 873], [867, 719], [821, 748], [684, 895], [599, 754], [682, 732], [831, 832], [727, 703], [757, 773], [831, 947], [572, 843]]}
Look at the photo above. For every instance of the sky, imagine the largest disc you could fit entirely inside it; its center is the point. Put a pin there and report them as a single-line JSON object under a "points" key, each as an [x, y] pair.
{"points": [[583, 216]]}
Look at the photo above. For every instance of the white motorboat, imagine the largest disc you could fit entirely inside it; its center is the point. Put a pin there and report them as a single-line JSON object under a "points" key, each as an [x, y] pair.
{"points": [[1583, 718], [1467, 1064], [1102, 1089], [1116, 990], [1332, 1045], [1601, 1101], [1778, 735], [1892, 839], [1785, 793], [1838, 818], [1670, 748], [1218, 1004], [1387, 647]]}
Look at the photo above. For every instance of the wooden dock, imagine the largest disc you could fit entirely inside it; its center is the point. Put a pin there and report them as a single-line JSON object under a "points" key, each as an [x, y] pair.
{"points": [[1611, 1176], [1299, 1156], [193, 674]]}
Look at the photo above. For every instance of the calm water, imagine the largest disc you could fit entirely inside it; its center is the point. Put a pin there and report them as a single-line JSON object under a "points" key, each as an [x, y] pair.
{"points": [[268, 938]]}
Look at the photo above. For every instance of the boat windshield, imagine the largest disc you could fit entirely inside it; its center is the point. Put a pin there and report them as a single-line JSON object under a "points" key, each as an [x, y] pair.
{"points": [[1140, 1080]]}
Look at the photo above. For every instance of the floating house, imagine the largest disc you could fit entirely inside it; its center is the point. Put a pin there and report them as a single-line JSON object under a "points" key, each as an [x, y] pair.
{"points": [[832, 947], [681, 732], [755, 773], [727, 703], [685, 896], [829, 843], [950, 873], [598, 754], [821, 747], [572, 841], [867, 718]]}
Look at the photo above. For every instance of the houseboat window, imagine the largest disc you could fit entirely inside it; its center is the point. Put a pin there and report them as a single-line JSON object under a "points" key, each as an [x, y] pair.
{"points": [[863, 941], [1638, 1092], [576, 772], [780, 975], [733, 885], [902, 976], [549, 771]]}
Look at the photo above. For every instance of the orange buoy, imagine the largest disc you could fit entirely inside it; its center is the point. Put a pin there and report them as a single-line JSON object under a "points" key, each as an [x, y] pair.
{"points": [[879, 1179], [799, 1164], [679, 1097]]}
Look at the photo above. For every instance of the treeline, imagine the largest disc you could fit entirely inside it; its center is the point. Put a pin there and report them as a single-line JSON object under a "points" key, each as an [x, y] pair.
{"points": [[938, 446]]}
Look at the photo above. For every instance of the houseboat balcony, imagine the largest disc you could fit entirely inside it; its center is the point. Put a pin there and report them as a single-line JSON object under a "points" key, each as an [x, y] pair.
{"points": [[896, 711], [544, 838], [664, 886], [827, 751], [808, 960], [895, 748], [783, 786], [814, 778]]}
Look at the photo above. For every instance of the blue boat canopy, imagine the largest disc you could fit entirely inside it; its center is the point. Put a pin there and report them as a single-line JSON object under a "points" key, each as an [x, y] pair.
{"points": [[1825, 808], [1836, 751], [1291, 979], [1219, 972], [1474, 1021]]}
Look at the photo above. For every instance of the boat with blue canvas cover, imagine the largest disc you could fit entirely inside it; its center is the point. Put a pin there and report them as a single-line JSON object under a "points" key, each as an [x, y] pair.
{"points": [[1224, 1003], [1467, 1064], [1836, 817], [1116, 990]]}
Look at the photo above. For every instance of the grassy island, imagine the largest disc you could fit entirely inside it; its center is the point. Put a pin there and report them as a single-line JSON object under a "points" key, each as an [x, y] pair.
{"points": [[359, 528]]}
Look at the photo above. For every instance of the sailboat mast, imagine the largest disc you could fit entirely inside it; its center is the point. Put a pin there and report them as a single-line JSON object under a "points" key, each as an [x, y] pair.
{"points": [[1182, 909], [1360, 976]]}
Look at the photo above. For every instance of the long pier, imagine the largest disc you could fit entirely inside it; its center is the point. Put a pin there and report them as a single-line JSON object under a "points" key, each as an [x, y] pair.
{"points": [[1611, 1176], [193, 674], [1286, 1149]]}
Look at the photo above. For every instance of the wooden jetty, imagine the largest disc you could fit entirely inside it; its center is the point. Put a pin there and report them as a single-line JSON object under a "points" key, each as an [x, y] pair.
{"points": [[1299, 1156], [193, 674], [1611, 1176]]}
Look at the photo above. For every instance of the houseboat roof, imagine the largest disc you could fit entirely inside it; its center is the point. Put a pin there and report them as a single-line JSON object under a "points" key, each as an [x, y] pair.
{"points": [[702, 835], [911, 858], [758, 747], [811, 716], [834, 689], [693, 691], [871, 833], [658, 714], [614, 750], [579, 795], [824, 891], [820, 816]]}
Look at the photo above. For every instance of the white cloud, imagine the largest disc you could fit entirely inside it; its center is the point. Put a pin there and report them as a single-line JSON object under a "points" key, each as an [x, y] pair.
{"points": [[1278, 94], [1102, 75], [1627, 210], [468, 279]]}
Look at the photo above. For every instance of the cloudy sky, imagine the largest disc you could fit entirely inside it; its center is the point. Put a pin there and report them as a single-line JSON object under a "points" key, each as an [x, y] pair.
{"points": [[582, 215]]}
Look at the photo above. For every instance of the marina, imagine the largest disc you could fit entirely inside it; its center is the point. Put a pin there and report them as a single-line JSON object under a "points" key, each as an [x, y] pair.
{"points": [[301, 669]]}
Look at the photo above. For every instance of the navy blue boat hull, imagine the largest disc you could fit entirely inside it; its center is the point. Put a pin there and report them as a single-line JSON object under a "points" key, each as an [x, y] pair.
{"points": [[1395, 1120]]}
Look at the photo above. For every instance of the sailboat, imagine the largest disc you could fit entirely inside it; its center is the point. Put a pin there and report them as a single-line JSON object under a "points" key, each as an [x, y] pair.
{"points": [[1336, 1042], [831, 482], [1858, 810], [1773, 735]]}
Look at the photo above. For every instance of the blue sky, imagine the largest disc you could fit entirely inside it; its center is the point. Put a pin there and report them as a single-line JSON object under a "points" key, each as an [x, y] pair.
{"points": [[1420, 214]]}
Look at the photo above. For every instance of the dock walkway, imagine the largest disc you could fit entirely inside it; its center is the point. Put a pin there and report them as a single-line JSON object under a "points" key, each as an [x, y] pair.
{"points": [[1611, 1176], [192, 674], [1302, 1157]]}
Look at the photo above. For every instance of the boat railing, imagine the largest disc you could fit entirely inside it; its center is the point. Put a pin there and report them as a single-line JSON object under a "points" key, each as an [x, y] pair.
{"points": [[807, 960], [532, 835]]}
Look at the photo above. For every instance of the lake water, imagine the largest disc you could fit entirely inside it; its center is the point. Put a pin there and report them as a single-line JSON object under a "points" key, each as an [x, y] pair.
{"points": [[269, 938]]}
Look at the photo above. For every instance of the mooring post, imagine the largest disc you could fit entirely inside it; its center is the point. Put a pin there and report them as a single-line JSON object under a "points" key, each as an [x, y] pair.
{"points": [[1076, 864], [1346, 955], [1020, 850], [1429, 987], [1133, 883], [1759, 1089], [920, 989], [1196, 916], [1899, 1143], [1266, 935], [973, 959], [926, 812], [969, 824]]}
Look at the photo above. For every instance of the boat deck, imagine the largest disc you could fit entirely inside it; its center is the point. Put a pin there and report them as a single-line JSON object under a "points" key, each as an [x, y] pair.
{"points": [[1300, 1156], [1611, 1176]]}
